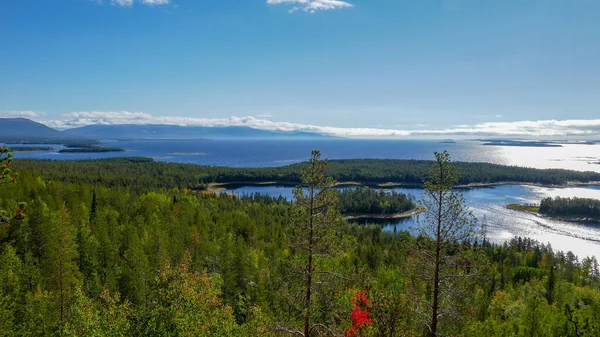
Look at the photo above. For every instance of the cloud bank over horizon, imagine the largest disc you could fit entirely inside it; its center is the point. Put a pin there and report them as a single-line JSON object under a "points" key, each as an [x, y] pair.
{"points": [[25, 114], [570, 128]]}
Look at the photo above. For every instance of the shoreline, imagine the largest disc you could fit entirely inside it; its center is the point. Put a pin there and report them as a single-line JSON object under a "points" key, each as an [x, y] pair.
{"points": [[90, 150], [406, 214], [32, 149], [532, 210], [219, 187]]}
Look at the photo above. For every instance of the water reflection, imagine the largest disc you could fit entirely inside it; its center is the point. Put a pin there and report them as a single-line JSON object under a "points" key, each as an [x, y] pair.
{"points": [[580, 157], [488, 205], [388, 224]]}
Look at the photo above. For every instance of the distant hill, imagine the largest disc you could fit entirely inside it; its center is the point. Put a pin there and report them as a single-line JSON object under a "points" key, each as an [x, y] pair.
{"points": [[161, 131], [16, 130], [23, 130]]}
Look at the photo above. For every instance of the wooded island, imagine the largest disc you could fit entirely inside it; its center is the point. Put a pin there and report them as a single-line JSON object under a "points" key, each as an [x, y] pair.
{"points": [[570, 209]]}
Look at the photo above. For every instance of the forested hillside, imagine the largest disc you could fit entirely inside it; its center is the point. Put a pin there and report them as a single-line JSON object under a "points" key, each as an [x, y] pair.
{"points": [[123, 248], [144, 174]]}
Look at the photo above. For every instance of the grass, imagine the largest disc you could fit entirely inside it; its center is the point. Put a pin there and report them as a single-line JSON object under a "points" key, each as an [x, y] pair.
{"points": [[523, 208]]}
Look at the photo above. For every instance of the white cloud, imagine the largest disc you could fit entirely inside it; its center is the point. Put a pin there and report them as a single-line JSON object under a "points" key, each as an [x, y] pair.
{"points": [[311, 5], [109, 117], [129, 3], [156, 2], [540, 128], [584, 128], [25, 114], [264, 116], [123, 3], [82, 118]]}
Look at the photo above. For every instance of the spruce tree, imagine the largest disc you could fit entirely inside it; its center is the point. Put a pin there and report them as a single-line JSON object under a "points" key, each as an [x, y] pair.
{"points": [[61, 260]]}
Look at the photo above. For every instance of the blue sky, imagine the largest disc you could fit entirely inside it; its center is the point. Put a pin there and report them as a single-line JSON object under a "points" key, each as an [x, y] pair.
{"points": [[385, 64]]}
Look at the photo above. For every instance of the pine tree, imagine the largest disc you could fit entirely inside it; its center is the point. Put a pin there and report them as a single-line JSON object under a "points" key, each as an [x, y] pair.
{"points": [[313, 232], [449, 224]]}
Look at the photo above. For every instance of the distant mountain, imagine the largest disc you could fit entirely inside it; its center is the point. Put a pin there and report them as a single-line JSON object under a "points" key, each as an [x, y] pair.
{"points": [[162, 131], [23, 130], [15, 130]]}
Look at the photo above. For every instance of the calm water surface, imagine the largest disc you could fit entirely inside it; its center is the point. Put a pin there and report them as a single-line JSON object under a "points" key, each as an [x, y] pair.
{"points": [[488, 205], [261, 153]]}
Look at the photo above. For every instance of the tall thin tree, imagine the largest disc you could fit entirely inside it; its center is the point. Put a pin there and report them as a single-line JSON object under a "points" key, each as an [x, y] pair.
{"points": [[61, 259], [313, 232], [444, 228]]}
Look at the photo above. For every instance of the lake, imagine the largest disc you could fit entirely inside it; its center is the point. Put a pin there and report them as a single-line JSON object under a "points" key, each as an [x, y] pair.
{"points": [[488, 204]]}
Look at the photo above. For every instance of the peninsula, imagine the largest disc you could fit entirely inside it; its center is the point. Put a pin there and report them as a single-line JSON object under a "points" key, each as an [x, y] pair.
{"points": [[565, 209]]}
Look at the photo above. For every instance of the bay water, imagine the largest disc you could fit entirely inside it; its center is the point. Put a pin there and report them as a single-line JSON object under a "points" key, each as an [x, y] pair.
{"points": [[488, 204]]}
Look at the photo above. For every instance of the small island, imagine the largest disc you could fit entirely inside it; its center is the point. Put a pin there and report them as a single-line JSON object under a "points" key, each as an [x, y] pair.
{"points": [[565, 209], [368, 203], [31, 149], [91, 149]]}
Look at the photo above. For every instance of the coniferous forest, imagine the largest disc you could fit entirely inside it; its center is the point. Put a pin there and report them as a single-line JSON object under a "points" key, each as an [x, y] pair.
{"points": [[371, 201], [100, 252], [571, 207], [144, 174]]}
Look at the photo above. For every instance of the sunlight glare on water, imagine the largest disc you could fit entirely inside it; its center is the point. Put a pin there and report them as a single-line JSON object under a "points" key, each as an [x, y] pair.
{"points": [[578, 157], [489, 206], [263, 153]]}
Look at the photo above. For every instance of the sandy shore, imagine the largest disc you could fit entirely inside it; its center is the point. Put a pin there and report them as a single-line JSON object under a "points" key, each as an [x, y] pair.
{"points": [[407, 214]]}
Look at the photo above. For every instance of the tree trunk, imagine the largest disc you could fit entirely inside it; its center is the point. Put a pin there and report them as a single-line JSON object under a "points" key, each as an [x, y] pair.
{"points": [[307, 303], [436, 293], [436, 278], [62, 302]]}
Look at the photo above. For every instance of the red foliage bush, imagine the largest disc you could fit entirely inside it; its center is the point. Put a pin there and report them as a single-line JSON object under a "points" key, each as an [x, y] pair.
{"points": [[359, 314]]}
